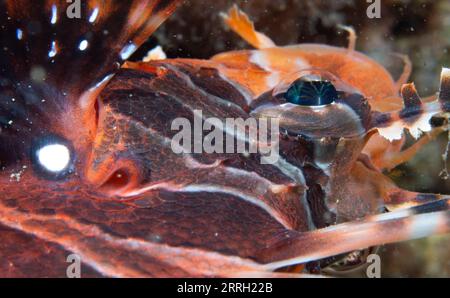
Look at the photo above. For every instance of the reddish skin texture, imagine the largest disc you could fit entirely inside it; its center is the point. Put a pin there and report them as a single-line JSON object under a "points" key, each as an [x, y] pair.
{"points": [[166, 229]]}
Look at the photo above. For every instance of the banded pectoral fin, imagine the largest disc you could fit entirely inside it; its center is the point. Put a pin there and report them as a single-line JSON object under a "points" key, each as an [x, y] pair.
{"points": [[417, 222]]}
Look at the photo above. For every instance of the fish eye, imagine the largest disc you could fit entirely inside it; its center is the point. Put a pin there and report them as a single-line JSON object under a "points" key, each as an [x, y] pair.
{"points": [[311, 93], [52, 157]]}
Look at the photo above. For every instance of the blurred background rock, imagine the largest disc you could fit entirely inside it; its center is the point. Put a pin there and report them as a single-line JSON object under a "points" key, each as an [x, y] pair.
{"points": [[417, 28]]}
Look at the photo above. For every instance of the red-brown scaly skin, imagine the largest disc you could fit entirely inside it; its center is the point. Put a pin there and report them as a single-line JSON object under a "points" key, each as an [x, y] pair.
{"points": [[131, 207]]}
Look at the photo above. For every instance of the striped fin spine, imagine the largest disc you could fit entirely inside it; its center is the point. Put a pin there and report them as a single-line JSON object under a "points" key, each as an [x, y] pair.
{"points": [[415, 115]]}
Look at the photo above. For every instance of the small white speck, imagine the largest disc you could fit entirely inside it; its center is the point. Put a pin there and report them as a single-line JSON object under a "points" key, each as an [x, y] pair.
{"points": [[127, 51], [52, 52], [19, 34], [54, 18], [16, 176]]}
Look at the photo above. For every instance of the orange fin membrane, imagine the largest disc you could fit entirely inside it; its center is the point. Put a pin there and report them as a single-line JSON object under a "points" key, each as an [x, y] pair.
{"points": [[240, 23]]}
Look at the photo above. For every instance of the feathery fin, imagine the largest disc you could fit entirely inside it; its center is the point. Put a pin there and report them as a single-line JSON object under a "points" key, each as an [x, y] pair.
{"points": [[241, 24]]}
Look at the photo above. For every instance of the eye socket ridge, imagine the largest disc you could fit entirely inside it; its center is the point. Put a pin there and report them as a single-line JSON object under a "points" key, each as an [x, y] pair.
{"points": [[311, 93]]}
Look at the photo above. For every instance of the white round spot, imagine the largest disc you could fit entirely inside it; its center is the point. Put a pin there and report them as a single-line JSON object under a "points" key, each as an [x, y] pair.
{"points": [[83, 45], [54, 157]]}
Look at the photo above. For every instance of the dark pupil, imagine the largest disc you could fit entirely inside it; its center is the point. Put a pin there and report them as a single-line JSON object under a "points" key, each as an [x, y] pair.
{"points": [[311, 93]]}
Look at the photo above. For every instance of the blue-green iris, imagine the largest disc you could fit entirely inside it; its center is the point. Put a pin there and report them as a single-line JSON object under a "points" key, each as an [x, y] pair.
{"points": [[311, 93]]}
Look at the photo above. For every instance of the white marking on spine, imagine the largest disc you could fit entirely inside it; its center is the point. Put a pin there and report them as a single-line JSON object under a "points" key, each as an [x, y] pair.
{"points": [[54, 18], [53, 51], [94, 15], [425, 225], [127, 51], [19, 34]]}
